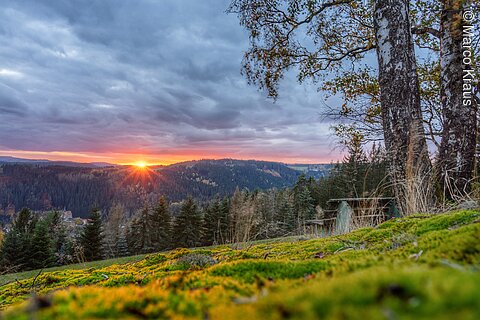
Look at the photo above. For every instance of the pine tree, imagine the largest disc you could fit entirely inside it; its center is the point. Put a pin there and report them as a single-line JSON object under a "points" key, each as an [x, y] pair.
{"points": [[25, 222], [139, 237], [16, 251], [135, 236], [42, 248], [285, 211], [305, 206], [57, 233], [121, 247], [213, 223], [303, 202], [354, 166], [225, 219], [187, 230], [91, 239], [161, 226]]}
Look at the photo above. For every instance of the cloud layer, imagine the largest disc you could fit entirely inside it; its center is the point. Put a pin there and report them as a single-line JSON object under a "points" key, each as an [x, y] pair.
{"points": [[157, 78]]}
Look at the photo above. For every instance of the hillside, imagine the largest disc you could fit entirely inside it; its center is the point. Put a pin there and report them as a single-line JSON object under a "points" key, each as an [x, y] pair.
{"points": [[313, 170], [423, 266], [78, 188], [44, 162]]}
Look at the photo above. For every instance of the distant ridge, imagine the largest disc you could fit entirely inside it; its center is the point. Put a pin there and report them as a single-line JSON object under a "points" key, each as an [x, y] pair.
{"points": [[45, 162]]}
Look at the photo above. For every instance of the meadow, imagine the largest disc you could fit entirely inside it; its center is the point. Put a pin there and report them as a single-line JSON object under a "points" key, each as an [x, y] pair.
{"points": [[421, 266]]}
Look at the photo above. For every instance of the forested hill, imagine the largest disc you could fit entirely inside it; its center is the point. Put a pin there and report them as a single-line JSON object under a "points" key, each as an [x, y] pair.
{"points": [[44, 162], [79, 188]]}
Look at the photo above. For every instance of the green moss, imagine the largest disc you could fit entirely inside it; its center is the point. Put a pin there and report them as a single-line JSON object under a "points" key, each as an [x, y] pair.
{"points": [[379, 293], [446, 221], [250, 271], [422, 266], [154, 259]]}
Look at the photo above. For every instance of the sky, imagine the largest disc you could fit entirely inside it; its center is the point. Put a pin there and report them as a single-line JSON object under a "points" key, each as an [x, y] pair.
{"points": [[144, 80]]}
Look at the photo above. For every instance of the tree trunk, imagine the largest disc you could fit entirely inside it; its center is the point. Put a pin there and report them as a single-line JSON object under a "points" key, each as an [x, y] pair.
{"points": [[404, 134], [456, 156]]}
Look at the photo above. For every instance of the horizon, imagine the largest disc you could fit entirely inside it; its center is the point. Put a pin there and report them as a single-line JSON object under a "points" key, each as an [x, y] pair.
{"points": [[144, 163]]}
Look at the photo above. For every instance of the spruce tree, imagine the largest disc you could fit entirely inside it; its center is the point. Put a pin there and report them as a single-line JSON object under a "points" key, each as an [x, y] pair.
{"points": [[303, 201], [187, 228], [161, 226], [139, 233], [225, 219], [121, 246], [25, 222], [16, 251], [42, 249], [305, 206], [57, 233], [213, 223], [286, 212], [91, 239]]}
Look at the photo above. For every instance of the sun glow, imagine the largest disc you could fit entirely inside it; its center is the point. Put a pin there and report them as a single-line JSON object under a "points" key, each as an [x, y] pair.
{"points": [[141, 172], [141, 164]]}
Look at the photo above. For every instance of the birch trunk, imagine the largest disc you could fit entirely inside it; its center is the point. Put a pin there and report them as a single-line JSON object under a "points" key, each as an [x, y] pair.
{"points": [[456, 156], [404, 134]]}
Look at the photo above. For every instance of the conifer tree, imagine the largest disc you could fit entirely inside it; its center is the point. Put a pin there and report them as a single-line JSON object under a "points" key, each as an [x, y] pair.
{"points": [[303, 202], [161, 226], [285, 211], [214, 222], [187, 230], [16, 251], [25, 222], [354, 166], [91, 239], [305, 206], [139, 237], [42, 248], [57, 233], [225, 214], [121, 247]]}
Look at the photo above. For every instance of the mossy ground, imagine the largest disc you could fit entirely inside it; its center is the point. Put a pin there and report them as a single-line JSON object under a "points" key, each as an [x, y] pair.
{"points": [[418, 267], [6, 278]]}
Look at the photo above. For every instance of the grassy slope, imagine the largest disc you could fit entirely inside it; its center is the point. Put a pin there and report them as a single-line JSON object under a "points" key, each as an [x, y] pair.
{"points": [[367, 274]]}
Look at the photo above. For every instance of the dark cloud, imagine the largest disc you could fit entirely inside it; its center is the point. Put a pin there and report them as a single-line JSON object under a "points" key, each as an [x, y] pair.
{"points": [[10, 103], [143, 76]]}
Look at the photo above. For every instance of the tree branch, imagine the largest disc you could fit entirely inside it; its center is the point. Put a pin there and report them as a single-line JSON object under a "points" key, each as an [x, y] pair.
{"points": [[426, 30]]}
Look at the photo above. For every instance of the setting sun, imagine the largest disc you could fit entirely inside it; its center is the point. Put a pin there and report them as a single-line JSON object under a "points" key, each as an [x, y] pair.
{"points": [[141, 164]]}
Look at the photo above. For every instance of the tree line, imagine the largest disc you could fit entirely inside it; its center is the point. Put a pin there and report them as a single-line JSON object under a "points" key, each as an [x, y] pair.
{"points": [[40, 242], [79, 188]]}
